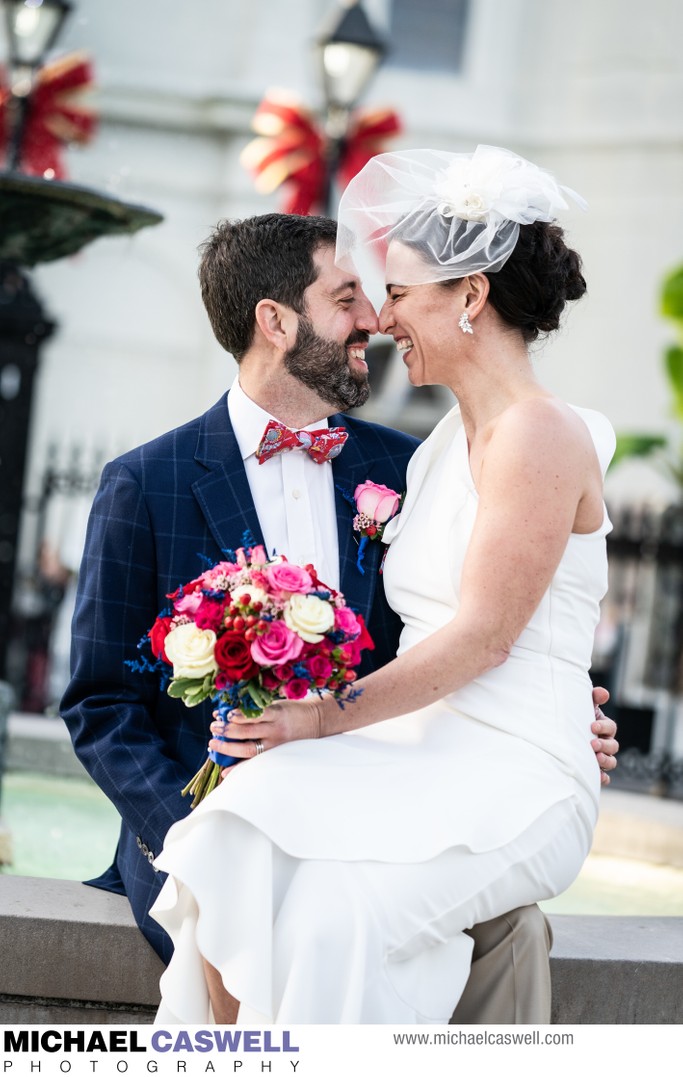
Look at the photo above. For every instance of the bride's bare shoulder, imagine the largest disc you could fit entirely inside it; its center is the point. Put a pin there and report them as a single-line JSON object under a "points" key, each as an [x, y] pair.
{"points": [[541, 420], [539, 437]]}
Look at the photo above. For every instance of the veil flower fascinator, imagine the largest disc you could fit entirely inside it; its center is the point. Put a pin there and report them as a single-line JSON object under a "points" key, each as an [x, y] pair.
{"points": [[460, 211]]}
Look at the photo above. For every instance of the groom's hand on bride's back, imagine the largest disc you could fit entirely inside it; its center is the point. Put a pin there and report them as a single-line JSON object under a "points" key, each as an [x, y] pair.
{"points": [[605, 745]]}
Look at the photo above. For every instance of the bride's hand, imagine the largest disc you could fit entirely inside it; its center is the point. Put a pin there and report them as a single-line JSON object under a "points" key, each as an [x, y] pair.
{"points": [[280, 723]]}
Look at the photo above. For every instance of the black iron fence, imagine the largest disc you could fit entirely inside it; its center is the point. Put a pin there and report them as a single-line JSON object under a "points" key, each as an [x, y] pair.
{"points": [[639, 646], [53, 529]]}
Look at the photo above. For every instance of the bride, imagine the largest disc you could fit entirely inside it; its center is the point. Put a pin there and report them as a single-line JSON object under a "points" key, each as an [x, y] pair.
{"points": [[369, 841]]}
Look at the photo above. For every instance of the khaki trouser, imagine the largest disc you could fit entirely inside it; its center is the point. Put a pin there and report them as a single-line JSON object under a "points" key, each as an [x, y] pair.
{"points": [[510, 979]]}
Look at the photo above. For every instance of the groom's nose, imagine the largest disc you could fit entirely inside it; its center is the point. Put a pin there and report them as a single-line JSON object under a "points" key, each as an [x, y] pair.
{"points": [[366, 318]]}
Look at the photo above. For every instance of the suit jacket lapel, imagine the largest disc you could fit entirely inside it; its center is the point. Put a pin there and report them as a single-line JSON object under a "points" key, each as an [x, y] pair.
{"points": [[350, 468], [223, 493]]}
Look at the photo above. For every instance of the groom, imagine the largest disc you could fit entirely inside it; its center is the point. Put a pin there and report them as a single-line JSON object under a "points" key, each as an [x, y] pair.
{"points": [[298, 328]]}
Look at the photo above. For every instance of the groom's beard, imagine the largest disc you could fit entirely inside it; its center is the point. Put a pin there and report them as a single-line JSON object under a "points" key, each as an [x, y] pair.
{"points": [[323, 365]]}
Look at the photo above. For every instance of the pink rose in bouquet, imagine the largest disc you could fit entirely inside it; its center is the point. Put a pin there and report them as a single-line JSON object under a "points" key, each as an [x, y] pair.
{"points": [[347, 622], [276, 645], [289, 578], [249, 631], [297, 688]]}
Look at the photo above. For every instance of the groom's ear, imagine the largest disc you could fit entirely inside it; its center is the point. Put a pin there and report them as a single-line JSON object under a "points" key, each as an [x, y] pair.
{"points": [[277, 322]]}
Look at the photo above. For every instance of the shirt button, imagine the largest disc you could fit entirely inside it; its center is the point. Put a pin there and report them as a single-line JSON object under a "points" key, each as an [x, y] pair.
{"points": [[296, 494]]}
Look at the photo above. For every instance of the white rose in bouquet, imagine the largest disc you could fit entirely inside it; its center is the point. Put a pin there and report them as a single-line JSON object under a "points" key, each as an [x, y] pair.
{"points": [[191, 650], [309, 616]]}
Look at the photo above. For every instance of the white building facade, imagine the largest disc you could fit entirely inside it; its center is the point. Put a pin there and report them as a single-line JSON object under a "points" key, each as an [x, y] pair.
{"points": [[592, 91]]}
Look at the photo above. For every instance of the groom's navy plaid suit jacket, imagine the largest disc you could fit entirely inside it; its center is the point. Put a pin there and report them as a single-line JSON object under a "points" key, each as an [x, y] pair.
{"points": [[159, 511]]}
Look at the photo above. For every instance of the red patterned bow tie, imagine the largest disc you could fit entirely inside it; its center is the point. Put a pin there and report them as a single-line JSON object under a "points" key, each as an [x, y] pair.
{"points": [[321, 445]]}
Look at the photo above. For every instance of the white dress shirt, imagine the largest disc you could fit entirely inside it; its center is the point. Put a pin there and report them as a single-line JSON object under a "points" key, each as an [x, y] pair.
{"points": [[293, 496]]}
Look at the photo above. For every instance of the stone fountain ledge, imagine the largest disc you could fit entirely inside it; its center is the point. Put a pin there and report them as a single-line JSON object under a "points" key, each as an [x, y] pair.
{"points": [[73, 954], [70, 954], [41, 744]]}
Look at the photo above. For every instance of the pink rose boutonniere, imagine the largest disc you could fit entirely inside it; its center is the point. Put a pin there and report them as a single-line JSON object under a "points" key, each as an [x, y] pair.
{"points": [[375, 505]]}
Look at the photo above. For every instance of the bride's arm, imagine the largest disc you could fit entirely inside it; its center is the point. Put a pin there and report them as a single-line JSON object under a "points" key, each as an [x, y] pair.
{"points": [[536, 472]]}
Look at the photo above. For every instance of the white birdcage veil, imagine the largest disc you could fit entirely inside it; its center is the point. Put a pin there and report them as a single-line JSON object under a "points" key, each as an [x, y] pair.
{"points": [[461, 211]]}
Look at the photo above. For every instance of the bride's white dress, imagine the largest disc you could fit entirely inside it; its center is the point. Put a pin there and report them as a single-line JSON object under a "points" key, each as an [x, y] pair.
{"points": [[331, 881]]}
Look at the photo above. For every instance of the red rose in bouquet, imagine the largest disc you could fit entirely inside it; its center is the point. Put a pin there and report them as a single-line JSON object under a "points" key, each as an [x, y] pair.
{"points": [[233, 656]]}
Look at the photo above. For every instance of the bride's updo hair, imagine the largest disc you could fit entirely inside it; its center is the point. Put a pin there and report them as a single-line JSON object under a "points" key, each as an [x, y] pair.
{"points": [[541, 275], [530, 290]]}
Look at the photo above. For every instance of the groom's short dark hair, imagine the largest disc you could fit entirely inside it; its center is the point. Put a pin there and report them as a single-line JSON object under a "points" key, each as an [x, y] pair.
{"points": [[266, 257]]}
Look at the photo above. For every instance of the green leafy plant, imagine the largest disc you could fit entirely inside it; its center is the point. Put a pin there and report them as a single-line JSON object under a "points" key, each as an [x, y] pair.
{"points": [[666, 451]]}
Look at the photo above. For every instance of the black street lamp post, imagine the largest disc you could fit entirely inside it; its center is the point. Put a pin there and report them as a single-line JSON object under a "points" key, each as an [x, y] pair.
{"points": [[32, 27], [40, 220], [23, 328], [349, 52]]}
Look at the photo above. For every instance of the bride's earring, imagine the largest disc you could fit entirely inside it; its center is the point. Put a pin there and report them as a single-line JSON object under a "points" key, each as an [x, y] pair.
{"points": [[465, 323]]}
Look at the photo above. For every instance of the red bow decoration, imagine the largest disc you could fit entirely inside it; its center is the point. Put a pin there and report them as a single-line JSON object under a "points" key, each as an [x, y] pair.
{"points": [[292, 149], [56, 116], [321, 445]]}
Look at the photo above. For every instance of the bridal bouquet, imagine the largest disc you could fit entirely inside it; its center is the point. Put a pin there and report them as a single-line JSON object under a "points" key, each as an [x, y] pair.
{"points": [[249, 631]]}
